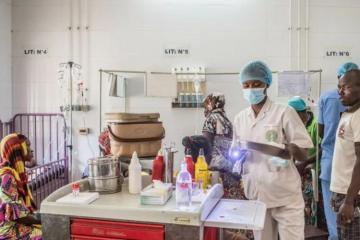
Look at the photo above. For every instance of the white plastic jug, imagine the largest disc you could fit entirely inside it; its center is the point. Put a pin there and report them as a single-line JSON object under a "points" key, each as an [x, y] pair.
{"points": [[135, 175]]}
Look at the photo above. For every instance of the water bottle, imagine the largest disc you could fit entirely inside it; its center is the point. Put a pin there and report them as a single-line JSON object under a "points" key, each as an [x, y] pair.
{"points": [[183, 189]]}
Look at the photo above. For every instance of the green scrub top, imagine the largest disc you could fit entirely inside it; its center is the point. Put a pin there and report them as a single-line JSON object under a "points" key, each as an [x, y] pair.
{"points": [[312, 130]]}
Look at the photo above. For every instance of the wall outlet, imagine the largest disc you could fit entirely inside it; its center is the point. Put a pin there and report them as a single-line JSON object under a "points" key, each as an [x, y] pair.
{"points": [[84, 131]]}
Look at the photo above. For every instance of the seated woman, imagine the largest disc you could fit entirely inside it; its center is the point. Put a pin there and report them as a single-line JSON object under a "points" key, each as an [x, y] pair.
{"points": [[17, 218], [30, 162]]}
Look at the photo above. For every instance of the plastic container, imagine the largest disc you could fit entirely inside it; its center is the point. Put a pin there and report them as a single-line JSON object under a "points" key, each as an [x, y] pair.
{"points": [[158, 167], [75, 189], [134, 175], [201, 170], [183, 189]]}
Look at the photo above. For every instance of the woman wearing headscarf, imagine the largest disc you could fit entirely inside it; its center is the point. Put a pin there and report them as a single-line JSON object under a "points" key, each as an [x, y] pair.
{"points": [[313, 210], [274, 137], [218, 130], [30, 162], [17, 219]]}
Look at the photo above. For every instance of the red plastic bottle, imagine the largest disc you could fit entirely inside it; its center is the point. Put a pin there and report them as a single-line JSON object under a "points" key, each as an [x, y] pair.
{"points": [[158, 167], [190, 164]]}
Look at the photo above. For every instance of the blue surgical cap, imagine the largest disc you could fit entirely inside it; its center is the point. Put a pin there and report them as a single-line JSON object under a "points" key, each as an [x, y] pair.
{"points": [[297, 103], [344, 68], [256, 70]]}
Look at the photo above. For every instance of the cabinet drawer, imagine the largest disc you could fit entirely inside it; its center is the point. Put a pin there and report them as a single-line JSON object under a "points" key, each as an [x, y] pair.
{"points": [[116, 230], [78, 237]]}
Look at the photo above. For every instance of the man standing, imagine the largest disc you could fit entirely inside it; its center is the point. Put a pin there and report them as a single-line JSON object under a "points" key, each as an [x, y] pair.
{"points": [[345, 177], [269, 173], [330, 109]]}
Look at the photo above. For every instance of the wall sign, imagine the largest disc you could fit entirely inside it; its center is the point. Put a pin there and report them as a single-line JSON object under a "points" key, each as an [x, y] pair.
{"points": [[337, 53], [36, 51], [176, 51]]}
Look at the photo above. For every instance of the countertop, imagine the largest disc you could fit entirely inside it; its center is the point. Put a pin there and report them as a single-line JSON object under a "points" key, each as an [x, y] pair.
{"points": [[125, 206]]}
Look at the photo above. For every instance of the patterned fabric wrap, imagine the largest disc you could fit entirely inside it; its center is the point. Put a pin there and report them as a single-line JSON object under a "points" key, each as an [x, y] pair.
{"points": [[12, 207], [219, 155], [216, 100], [234, 189], [349, 231], [217, 123], [12, 162], [104, 142]]}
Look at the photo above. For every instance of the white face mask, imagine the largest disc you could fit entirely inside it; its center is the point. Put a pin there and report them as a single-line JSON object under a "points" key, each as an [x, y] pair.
{"points": [[254, 95]]}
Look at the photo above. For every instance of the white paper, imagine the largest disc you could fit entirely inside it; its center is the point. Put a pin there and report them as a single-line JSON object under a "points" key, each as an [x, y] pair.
{"points": [[237, 214], [293, 83], [82, 198]]}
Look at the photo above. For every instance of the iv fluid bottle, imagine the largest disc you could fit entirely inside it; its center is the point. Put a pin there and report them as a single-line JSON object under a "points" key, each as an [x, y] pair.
{"points": [[183, 189]]}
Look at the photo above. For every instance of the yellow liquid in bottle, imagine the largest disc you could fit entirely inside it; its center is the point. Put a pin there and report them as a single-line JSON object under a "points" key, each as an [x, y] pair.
{"points": [[202, 172]]}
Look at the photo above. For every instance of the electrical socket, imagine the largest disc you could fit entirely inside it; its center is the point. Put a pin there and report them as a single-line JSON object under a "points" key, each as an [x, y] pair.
{"points": [[84, 131]]}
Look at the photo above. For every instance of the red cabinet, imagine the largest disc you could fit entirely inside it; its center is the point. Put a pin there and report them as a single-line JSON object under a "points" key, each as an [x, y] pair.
{"points": [[82, 229], [91, 229]]}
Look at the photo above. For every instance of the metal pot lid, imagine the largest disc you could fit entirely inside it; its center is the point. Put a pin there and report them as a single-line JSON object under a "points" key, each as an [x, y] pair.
{"points": [[103, 160]]}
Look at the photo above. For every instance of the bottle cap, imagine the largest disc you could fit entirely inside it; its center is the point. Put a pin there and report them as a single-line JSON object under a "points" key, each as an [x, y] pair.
{"points": [[201, 151]]}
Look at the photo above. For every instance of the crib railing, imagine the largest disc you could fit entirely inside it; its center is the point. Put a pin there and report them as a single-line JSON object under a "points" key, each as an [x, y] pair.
{"points": [[45, 179], [4, 129]]}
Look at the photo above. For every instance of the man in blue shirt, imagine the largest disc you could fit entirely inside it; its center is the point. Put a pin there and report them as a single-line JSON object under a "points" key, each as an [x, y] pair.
{"points": [[330, 109]]}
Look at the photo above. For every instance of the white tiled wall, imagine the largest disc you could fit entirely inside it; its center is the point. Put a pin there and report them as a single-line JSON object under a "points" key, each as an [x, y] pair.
{"points": [[5, 60], [131, 34]]}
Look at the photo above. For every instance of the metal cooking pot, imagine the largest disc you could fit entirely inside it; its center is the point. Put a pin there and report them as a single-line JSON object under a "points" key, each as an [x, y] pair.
{"points": [[105, 175]]}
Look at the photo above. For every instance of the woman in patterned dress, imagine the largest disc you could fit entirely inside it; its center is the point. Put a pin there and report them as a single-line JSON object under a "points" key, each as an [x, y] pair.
{"points": [[17, 218]]}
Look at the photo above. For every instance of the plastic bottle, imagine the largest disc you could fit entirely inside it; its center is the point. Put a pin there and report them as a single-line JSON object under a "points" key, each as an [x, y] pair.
{"points": [[190, 166], [201, 170], [158, 167], [134, 175], [183, 189]]}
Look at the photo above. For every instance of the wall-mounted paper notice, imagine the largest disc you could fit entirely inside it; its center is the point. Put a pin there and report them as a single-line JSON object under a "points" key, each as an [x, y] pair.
{"points": [[293, 83]]}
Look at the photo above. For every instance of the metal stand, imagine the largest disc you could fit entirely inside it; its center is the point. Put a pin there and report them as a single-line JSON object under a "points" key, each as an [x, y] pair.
{"points": [[70, 66]]}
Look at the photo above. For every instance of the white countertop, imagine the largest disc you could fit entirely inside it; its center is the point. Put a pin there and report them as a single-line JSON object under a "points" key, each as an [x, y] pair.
{"points": [[125, 206]]}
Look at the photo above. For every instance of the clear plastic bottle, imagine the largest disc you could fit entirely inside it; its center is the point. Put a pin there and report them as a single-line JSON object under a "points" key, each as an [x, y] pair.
{"points": [[183, 189]]}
